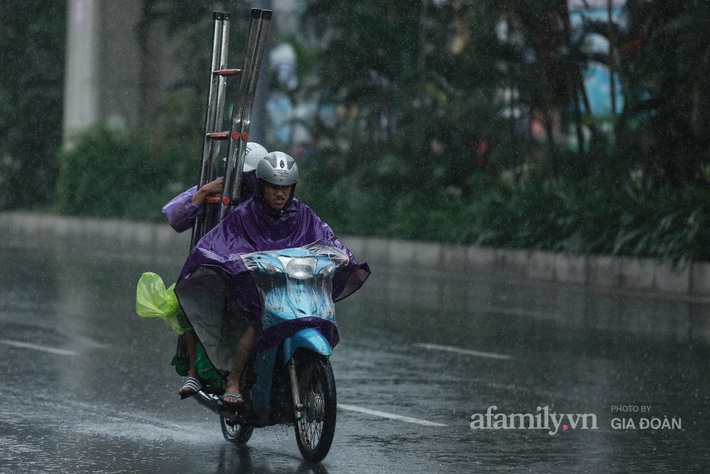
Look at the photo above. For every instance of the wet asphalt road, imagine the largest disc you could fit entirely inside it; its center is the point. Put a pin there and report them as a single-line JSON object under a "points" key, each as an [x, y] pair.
{"points": [[87, 385]]}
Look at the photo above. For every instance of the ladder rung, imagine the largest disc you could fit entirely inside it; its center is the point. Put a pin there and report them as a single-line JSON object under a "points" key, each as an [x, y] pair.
{"points": [[227, 72], [219, 135]]}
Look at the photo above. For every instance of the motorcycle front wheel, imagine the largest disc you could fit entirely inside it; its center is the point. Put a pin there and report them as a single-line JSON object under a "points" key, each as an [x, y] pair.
{"points": [[316, 427], [236, 433]]}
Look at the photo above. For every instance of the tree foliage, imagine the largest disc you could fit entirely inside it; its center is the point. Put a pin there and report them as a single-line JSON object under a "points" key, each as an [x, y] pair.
{"points": [[441, 83], [447, 120], [112, 173], [666, 66], [402, 89], [31, 91]]}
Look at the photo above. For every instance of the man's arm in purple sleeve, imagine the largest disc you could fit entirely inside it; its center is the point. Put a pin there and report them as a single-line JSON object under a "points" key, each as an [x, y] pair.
{"points": [[181, 211]]}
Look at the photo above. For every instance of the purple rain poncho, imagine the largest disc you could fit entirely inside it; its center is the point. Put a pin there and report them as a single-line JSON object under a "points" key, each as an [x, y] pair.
{"points": [[214, 270], [181, 211]]}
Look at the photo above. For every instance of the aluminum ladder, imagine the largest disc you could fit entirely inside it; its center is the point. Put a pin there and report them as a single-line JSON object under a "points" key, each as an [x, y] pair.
{"points": [[217, 208]]}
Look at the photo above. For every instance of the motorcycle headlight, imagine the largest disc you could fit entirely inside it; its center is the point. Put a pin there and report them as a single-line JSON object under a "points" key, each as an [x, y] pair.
{"points": [[301, 268]]}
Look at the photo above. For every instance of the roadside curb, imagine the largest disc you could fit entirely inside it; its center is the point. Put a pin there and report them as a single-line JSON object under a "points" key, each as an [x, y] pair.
{"points": [[621, 273], [114, 232], [618, 273]]}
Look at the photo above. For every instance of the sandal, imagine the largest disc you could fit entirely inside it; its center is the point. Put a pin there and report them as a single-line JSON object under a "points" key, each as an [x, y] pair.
{"points": [[233, 405], [193, 385]]}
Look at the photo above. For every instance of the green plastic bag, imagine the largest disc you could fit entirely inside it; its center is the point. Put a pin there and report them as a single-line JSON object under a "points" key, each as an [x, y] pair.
{"points": [[153, 300]]}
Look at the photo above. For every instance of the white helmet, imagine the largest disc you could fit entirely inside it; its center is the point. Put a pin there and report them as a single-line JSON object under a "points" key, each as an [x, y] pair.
{"points": [[253, 155], [278, 168]]}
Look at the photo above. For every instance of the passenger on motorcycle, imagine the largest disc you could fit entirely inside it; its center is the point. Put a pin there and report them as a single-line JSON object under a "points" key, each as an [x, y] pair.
{"points": [[184, 208], [272, 220]]}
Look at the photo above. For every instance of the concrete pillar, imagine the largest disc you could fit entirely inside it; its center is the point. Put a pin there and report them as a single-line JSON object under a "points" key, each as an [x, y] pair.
{"points": [[81, 107], [110, 80]]}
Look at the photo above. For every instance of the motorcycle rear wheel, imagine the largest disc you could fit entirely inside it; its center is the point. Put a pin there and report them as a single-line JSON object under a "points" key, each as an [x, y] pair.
{"points": [[238, 434], [316, 428]]}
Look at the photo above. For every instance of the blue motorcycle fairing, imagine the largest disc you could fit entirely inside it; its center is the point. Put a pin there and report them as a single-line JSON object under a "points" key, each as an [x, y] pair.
{"points": [[295, 286], [307, 338]]}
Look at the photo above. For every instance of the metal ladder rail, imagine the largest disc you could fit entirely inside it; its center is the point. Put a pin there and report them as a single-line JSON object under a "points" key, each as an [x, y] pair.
{"points": [[214, 117], [212, 210], [241, 113]]}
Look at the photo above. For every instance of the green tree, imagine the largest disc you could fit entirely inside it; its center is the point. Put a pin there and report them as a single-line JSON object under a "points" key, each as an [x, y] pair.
{"points": [[452, 87], [666, 69], [411, 107], [111, 173], [31, 92]]}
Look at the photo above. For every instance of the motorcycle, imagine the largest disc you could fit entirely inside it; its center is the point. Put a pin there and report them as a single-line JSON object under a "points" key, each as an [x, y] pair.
{"points": [[289, 378]]}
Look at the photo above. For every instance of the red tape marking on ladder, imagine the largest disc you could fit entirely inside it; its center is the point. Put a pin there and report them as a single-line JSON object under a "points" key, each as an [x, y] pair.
{"points": [[227, 72], [218, 135]]}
